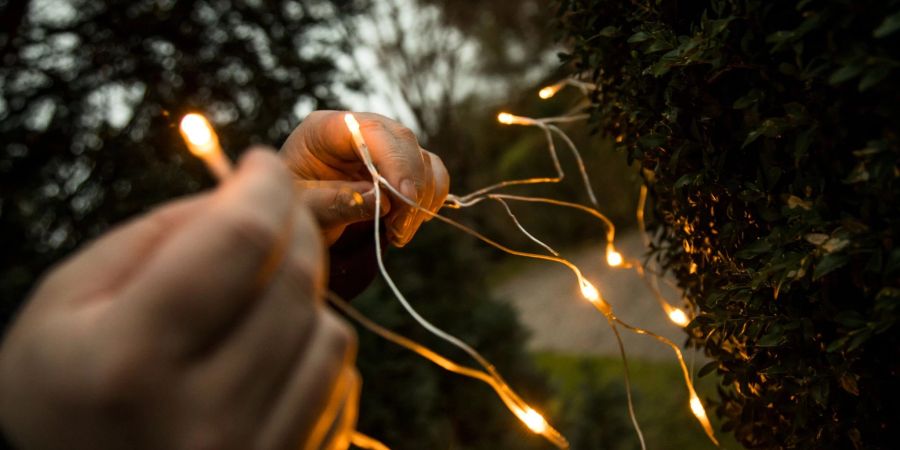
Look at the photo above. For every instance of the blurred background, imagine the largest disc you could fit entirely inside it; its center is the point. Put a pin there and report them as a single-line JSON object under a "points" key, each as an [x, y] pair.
{"points": [[90, 96]]}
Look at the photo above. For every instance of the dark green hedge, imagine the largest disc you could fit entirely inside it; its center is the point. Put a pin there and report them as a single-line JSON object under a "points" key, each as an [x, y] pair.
{"points": [[768, 132]]}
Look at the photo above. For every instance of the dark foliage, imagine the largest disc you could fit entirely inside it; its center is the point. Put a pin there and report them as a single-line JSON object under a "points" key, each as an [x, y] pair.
{"points": [[768, 131], [91, 95], [411, 403]]}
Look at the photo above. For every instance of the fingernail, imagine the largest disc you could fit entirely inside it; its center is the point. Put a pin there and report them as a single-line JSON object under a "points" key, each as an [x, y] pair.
{"points": [[408, 189], [401, 223], [400, 227]]}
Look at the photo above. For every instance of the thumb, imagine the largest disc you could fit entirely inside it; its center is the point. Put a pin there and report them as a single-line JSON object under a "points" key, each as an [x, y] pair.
{"points": [[337, 204]]}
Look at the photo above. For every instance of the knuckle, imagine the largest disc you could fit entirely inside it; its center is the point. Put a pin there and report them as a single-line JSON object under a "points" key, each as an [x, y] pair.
{"points": [[248, 230], [405, 134], [340, 336]]}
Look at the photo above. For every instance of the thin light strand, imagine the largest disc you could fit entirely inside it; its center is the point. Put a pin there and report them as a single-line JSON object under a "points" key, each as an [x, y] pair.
{"points": [[631, 414], [581, 167], [560, 175], [601, 304], [674, 314], [512, 400], [364, 442], [694, 398], [612, 325], [509, 397], [523, 230]]}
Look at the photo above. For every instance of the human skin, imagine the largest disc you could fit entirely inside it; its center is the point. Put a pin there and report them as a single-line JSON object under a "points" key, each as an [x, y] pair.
{"points": [[195, 326], [322, 157], [200, 324]]}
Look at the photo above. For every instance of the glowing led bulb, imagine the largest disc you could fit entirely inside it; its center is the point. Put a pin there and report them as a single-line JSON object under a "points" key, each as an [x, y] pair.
{"points": [[678, 317], [697, 409], [700, 413], [203, 143], [510, 119], [613, 258], [198, 134], [352, 123], [353, 126], [550, 91], [533, 420], [589, 291]]}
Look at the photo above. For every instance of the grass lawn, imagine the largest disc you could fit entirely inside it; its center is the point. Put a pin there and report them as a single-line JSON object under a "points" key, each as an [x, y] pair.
{"points": [[591, 407]]}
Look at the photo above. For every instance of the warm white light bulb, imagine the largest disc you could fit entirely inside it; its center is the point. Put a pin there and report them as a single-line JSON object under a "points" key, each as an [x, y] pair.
{"points": [[549, 91], [351, 122], [589, 291], [678, 317], [505, 118], [613, 258], [198, 133], [202, 141], [700, 414], [358, 141], [697, 408], [533, 420]]}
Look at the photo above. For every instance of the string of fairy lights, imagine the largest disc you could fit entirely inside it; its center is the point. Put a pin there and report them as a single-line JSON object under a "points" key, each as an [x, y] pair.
{"points": [[203, 142]]}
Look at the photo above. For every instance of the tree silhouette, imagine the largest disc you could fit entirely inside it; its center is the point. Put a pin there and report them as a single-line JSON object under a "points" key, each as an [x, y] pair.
{"points": [[91, 94]]}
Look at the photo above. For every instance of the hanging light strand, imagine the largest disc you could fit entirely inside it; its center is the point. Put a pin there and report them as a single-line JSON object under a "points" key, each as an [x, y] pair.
{"points": [[531, 418]]}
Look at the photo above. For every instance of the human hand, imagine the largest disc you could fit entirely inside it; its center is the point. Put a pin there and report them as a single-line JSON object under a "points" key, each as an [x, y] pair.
{"points": [[196, 326], [321, 155]]}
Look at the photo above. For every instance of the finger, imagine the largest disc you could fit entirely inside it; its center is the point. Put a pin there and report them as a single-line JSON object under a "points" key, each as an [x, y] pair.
{"points": [[109, 262], [402, 233], [251, 366], [394, 149], [315, 383], [203, 277], [441, 183], [341, 203], [281, 322]]}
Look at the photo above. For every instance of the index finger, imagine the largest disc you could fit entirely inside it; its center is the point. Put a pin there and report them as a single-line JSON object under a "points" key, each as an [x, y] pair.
{"points": [[394, 148]]}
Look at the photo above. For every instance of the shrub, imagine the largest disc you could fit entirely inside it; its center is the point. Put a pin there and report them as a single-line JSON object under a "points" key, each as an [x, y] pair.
{"points": [[768, 134]]}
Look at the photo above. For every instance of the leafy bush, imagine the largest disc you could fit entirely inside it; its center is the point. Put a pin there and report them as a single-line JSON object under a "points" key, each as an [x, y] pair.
{"points": [[768, 133]]}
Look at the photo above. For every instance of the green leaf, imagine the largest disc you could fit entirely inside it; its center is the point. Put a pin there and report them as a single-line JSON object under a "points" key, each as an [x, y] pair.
{"points": [[658, 46], [707, 368], [751, 137], [748, 99], [850, 319], [638, 37], [888, 26], [609, 31], [829, 263], [757, 248], [845, 73], [837, 344], [772, 339], [687, 179], [873, 77]]}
